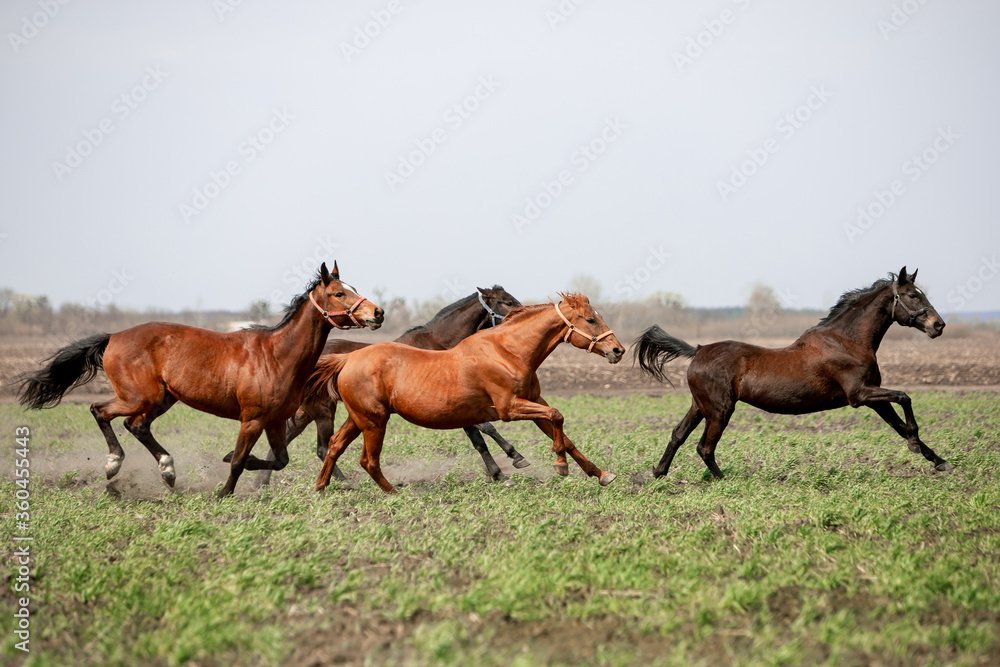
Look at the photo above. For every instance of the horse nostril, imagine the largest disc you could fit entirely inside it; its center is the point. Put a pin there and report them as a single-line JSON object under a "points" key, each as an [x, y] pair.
{"points": [[379, 313], [938, 325]]}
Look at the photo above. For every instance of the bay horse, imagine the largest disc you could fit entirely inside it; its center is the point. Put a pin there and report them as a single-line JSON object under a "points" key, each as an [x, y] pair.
{"points": [[831, 365], [491, 375], [453, 323], [255, 375]]}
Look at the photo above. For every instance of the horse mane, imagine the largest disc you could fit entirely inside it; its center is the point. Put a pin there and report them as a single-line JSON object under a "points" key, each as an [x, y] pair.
{"points": [[853, 297], [446, 311], [521, 311], [289, 311]]}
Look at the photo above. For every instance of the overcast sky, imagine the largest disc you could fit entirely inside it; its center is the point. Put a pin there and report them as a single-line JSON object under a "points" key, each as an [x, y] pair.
{"points": [[203, 154]]}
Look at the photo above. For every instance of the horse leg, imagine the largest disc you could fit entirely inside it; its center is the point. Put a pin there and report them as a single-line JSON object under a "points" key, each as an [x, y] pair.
{"points": [[489, 429], [492, 469], [139, 426], [338, 444], [106, 411], [550, 421], [714, 426], [909, 430], [681, 432], [249, 433], [370, 456]]}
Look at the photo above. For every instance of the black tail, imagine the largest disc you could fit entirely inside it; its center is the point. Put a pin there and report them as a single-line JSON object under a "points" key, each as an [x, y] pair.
{"points": [[74, 365], [655, 347]]}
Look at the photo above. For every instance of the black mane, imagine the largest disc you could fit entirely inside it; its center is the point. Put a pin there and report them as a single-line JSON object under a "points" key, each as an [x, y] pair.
{"points": [[290, 309], [447, 310], [854, 296]]}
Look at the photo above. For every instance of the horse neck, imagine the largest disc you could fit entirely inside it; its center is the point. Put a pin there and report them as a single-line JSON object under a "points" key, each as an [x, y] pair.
{"points": [[449, 331], [301, 340], [533, 336], [868, 323]]}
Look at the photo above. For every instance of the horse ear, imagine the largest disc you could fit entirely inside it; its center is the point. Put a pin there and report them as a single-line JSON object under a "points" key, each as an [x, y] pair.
{"points": [[902, 278], [913, 276], [324, 274], [336, 272]]}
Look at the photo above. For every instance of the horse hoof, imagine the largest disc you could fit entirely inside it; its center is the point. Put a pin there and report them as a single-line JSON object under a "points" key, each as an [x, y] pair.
{"points": [[562, 471], [337, 474], [228, 458], [944, 466], [167, 469], [499, 477], [113, 465], [521, 463], [607, 478], [509, 483], [914, 447]]}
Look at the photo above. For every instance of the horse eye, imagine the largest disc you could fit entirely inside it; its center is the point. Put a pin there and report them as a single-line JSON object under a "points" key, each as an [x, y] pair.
{"points": [[591, 320], [339, 295]]}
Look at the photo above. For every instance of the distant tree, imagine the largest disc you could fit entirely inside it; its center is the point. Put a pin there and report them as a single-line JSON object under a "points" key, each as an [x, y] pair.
{"points": [[763, 299], [6, 300], [671, 300], [587, 285], [260, 310]]}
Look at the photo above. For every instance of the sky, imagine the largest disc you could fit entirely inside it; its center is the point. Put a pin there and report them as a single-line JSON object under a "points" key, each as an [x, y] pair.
{"points": [[207, 154]]}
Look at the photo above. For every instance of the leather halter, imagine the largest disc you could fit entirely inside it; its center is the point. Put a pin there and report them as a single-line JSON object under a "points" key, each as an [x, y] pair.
{"points": [[329, 315], [494, 318], [572, 330], [914, 314]]}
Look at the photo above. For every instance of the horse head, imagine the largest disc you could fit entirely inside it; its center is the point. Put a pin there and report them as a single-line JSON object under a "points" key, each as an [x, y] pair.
{"points": [[594, 335], [911, 308]]}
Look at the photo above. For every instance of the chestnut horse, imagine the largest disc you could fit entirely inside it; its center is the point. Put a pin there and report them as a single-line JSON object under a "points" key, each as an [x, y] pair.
{"points": [[255, 375], [831, 365], [446, 329], [490, 375]]}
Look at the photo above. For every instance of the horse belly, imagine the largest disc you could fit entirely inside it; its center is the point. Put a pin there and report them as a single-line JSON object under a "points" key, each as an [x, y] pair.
{"points": [[791, 396]]}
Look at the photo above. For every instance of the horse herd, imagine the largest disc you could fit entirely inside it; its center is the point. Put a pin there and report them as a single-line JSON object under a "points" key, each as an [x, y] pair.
{"points": [[474, 363]]}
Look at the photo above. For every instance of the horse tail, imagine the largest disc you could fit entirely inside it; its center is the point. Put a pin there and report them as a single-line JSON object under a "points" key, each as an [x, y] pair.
{"points": [[655, 347], [322, 383], [74, 365]]}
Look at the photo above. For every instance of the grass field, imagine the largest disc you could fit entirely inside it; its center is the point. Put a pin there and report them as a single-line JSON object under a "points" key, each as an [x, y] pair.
{"points": [[828, 542]]}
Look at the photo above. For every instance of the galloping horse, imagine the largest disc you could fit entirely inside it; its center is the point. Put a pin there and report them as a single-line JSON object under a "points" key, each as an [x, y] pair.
{"points": [[831, 365], [255, 375], [450, 325], [490, 375]]}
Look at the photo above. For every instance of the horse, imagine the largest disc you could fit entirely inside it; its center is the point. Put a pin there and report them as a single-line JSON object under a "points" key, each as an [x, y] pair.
{"points": [[490, 375], [831, 365], [481, 310], [255, 375]]}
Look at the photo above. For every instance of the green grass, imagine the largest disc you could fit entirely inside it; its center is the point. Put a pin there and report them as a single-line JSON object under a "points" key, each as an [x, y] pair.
{"points": [[827, 542]]}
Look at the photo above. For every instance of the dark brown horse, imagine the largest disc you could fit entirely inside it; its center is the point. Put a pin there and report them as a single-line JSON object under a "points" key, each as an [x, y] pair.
{"points": [[489, 375], [831, 365], [255, 375], [452, 324]]}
